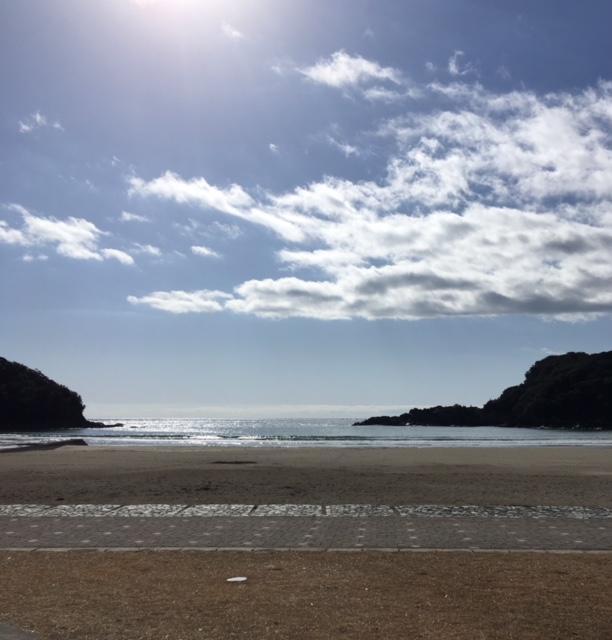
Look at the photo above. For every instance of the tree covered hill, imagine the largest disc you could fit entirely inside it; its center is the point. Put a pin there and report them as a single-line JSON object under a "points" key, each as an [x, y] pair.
{"points": [[570, 391], [29, 401]]}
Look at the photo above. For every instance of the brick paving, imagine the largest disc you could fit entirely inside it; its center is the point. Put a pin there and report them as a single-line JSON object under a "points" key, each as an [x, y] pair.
{"points": [[352, 527]]}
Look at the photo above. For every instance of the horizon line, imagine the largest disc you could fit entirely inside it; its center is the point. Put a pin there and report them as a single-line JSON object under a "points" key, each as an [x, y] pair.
{"points": [[159, 411]]}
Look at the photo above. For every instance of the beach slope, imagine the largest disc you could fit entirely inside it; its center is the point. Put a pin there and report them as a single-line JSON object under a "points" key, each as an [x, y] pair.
{"points": [[525, 475]]}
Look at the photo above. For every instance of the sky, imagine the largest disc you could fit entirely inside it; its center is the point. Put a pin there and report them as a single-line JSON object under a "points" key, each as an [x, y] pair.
{"points": [[308, 208]]}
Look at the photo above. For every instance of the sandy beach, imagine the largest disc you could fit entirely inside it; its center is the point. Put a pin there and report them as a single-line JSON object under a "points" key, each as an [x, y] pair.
{"points": [[82, 595], [526, 476], [444, 596]]}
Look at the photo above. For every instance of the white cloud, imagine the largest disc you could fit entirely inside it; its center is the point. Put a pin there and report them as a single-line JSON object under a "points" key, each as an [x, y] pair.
{"points": [[196, 228], [40, 257], [357, 74], [491, 204], [74, 238], [347, 149], [515, 145], [457, 65], [231, 32], [383, 94], [190, 228], [200, 250], [286, 297], [283, 67], [197, 191], [37, 120], [233, 201], [273, 147], [223, 229], [126, 216], [9, 235], [147, 249], [342, 70], [116, 254], [178, 302]]}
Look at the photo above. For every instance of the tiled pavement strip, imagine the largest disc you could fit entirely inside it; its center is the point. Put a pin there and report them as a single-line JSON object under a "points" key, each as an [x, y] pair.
{"points": [[305, 527]]}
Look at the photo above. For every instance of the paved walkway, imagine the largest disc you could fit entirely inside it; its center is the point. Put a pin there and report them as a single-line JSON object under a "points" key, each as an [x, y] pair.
{"points": [[305, 527]]}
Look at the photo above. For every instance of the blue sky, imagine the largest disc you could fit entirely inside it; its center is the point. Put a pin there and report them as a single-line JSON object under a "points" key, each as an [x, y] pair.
{"points": [[302, 208]]}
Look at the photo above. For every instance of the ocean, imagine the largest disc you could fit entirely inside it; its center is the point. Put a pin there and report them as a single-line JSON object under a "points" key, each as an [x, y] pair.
{"points": [[307, 433]]}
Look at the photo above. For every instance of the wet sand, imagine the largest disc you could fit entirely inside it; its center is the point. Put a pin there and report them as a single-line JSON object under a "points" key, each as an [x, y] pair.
{"points": [[487, 476]]}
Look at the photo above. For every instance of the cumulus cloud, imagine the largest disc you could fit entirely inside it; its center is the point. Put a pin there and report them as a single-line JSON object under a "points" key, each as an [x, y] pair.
{"points": [[206, 252], [126, 216], [492, 203], [38, 120], [277, 299], [342, 70], [353, 73], [198, 191], [74, 238], [116, 254], [9, 235], [204, 301], [233, 200]]}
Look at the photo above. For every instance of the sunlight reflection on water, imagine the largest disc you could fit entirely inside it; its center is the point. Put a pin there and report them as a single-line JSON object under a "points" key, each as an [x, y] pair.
{"points": [[309, 433]]}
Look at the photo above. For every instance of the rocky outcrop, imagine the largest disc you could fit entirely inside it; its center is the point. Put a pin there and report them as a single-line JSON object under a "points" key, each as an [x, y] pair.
{"points": [[29, 401], [386, 421], [44, 446], [570, 391]]}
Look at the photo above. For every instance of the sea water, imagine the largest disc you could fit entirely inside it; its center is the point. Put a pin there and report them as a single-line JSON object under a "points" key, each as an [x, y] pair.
{"points": [[307, 433]]}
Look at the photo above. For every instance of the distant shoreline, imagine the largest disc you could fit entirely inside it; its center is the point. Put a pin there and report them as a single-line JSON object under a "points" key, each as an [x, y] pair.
{"points": [[369, 422]]}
